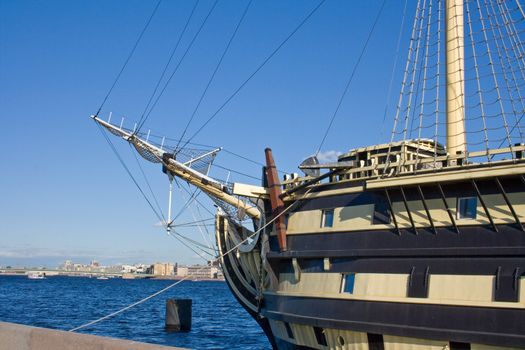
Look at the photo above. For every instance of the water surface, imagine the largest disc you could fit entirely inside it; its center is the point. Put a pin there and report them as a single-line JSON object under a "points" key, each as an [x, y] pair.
{"points": [[219, 322]]}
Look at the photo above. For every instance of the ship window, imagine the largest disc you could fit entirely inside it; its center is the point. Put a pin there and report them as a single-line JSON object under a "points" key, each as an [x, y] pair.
{"points": [[328, 218], [320, 336], [375, 341], [341, 341], [288, 330], [382, 213], [348, 283], [467, 207], [454, 345]]}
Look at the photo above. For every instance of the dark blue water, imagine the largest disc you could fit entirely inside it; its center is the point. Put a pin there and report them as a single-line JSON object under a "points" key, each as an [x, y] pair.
{"points": [[219, 322]]}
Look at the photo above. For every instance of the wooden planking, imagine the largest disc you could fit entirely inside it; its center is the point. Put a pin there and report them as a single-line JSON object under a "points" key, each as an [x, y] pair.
{"points": [[311, 281], [359, 217], [403, 343], [461, 288], [380, 284]]}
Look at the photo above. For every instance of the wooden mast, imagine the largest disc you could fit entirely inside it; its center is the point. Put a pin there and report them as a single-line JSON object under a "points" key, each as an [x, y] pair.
{"points": [[277, 203], [455, 77]]}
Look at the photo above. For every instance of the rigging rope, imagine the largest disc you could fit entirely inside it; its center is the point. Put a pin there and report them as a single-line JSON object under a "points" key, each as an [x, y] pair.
{"points": [[169, 61], [394, 67], [476, 68], [422, 101], [404, 82], [148, 184], [143, 120], [112, 146], [506, 79], [438, 77], [266, 60], [221, 256], [129, 57], [214, 72], [494, 76], [351, 77]]}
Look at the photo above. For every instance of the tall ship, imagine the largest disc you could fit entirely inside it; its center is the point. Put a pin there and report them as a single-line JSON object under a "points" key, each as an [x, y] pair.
{"points": [[417, 243]]}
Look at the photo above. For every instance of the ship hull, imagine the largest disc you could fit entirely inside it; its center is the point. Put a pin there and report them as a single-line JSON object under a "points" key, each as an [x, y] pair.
{"points": [[425, 286]]}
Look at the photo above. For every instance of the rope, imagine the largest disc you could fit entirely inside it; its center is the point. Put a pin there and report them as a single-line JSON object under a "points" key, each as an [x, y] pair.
{"points": [[127, 307], [188, 246], [193, 196], [420, 18], [214, 72], [143, 120], [221, 256], [514, 48], [169, 61], [129, 57], [479, 91], [494, 77], [504, 69], [266, 60], [148, 184], [403, 83], [200, 225], [112, 146], [392, 74], [351, 77], [236, 172], [422, 101], [521, 9], [438, 77]]}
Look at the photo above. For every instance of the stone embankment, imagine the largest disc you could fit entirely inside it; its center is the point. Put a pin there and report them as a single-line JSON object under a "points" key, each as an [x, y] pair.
{"points": [[20, 337]]}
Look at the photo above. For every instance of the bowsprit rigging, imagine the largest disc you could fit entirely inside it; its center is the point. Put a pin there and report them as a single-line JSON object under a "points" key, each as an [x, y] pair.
{"points": [[188, 164]]}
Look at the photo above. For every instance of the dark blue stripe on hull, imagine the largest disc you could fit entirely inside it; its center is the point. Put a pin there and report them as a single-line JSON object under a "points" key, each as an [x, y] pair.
{"points": [[496, 326], [472, 240]]}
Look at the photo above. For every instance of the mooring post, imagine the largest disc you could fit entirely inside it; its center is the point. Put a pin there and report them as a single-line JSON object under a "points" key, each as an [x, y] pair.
{"points": [[178, 315]]}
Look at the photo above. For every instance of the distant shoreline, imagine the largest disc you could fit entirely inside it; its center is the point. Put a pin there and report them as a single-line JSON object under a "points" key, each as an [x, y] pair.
{"points": [[52, 273]]}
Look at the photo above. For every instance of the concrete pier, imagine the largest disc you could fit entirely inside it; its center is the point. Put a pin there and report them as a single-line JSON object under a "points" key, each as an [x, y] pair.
{"points": [[20, 337]]}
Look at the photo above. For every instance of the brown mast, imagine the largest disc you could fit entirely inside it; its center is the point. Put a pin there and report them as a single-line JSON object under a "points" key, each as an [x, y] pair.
{"points": [[277, 203]]}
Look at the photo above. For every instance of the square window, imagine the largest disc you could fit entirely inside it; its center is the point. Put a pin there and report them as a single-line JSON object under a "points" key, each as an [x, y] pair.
{"points": [[288, 330], [348, 283], [467, 207], [320, 336], [382, 214], [328, 218]]}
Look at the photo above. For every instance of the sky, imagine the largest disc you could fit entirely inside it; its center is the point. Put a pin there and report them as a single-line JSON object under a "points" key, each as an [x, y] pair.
{"points": [[63, 192]]}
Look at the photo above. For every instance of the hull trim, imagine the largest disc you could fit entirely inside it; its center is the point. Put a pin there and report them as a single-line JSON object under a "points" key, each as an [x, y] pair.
{"points": [[503, 327]]}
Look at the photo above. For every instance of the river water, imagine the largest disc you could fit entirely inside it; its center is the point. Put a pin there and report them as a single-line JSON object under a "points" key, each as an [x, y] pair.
{"points": [[219, 322]]}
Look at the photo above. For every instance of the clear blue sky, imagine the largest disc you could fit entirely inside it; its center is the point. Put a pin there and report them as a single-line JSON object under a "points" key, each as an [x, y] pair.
{"points": [[63, 194]]}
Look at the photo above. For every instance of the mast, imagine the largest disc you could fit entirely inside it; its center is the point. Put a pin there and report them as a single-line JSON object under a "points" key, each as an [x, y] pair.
{"points": [[455, 72]]}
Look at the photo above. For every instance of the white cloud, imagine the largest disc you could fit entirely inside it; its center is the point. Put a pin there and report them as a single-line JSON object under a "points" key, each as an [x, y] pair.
{"points": [[328, 156], [34, 252]]}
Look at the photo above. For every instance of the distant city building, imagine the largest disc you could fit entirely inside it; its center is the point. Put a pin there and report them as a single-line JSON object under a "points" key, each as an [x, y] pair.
{"points": [[67, 266], [142, 268], [182, 271], [210, 271], [163, 269], [128, 269], [199, 272]]}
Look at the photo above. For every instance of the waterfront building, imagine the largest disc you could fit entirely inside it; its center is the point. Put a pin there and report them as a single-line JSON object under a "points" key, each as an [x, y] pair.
{"points": [[163, 269]]}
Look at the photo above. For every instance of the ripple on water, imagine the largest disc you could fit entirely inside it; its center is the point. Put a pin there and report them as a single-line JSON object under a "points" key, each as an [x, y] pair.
{"points": [[219, 322]]}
